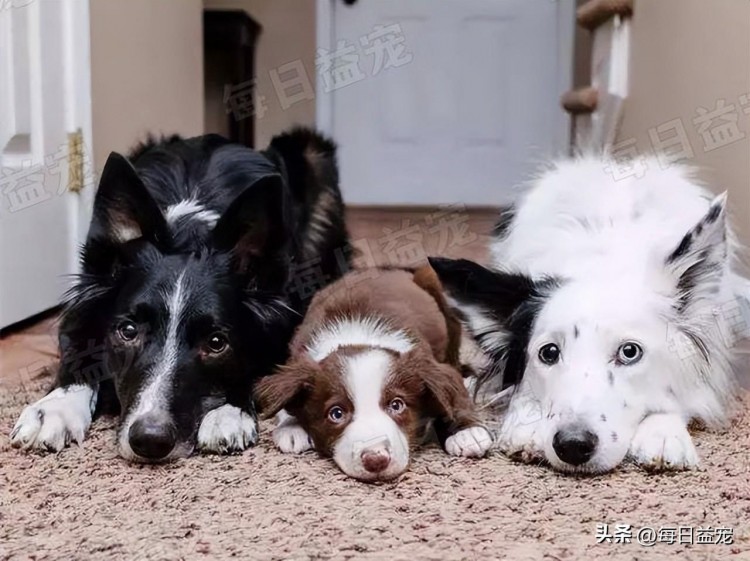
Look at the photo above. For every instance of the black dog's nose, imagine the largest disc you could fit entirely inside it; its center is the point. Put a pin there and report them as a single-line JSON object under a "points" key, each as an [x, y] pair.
{"points": [[152, 438], [575, 445]]}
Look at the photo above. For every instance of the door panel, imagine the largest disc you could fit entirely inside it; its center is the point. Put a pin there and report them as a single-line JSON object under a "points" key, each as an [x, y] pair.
{"points": [[468, 118], [39, 106]]}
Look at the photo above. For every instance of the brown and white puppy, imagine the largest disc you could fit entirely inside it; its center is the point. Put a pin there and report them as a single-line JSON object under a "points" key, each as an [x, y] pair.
{"points": [[371, 365]]}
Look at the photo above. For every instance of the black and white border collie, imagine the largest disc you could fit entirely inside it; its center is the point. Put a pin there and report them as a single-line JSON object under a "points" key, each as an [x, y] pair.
{"points": [[611, 308], [187, 292]]}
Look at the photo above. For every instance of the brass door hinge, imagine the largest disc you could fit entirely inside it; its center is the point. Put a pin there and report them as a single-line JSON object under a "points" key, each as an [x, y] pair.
{"points": [[76, 158]]}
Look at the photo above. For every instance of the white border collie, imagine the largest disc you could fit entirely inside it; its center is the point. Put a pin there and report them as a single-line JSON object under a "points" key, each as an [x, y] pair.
{"points": [[612, 310]]}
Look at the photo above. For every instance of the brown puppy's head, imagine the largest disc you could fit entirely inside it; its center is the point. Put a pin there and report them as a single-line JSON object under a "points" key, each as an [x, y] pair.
{"points": [[366, 406]]}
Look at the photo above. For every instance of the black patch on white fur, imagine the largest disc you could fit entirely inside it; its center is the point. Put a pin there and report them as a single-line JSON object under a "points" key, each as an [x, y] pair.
{"points": [[511, 300], [502, 226], [713, 213], [683, 248], [699, 258]]}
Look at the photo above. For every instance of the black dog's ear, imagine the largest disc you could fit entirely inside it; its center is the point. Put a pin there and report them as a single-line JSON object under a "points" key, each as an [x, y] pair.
{"points": [[123, 208], [698, 262], [254, 227], [498, 308]]}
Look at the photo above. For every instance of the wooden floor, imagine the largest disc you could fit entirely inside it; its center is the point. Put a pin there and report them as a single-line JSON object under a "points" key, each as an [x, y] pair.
{"points": [[383, 236]]}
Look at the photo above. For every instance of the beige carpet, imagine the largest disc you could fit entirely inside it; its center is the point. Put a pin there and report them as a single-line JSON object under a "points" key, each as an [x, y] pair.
{"points": [[89, 504], [86, 503]]}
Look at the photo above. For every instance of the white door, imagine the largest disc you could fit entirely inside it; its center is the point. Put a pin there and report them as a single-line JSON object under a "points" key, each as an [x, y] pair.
{"points": [[44, 96], [454, 101]]}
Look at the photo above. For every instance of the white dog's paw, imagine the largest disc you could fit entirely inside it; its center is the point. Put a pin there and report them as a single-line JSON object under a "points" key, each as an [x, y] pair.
{"points": [[291, 438], [520, 441], [227, 429], [662, 442], [59, 418], [472, 442]]}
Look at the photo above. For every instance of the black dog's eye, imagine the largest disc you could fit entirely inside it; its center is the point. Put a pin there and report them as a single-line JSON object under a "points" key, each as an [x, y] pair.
{"points": [[217, 343], [629, 353], [336, 414], [549, 354], [127, 330]]}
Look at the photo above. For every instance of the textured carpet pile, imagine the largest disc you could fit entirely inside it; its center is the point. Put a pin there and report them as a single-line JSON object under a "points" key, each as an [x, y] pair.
{"points": [[86, 503]]}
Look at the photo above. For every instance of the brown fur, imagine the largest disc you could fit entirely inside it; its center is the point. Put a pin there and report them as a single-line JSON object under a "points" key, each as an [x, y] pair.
{"points": [[427, 279], [425, 378]]}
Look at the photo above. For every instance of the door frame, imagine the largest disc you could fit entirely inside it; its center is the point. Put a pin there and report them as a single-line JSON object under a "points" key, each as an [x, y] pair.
{"points": [[566, 28], [80, 114]]}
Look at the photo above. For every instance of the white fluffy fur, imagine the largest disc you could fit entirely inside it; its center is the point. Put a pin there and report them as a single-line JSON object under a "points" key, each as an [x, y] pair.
{"points": [[289, 436], [192, 209], [59, 418], [358, 331], [609, 240], [227, 429]]}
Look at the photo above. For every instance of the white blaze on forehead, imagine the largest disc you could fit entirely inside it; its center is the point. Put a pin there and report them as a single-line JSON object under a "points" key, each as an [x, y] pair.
{"points": [[155, 393], [191, 208], [365, 377], [367, 331]]}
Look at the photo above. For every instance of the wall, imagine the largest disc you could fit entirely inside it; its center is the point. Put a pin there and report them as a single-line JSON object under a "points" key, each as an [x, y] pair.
{"points": [[688, 54], [146, 71], [288, 34]]}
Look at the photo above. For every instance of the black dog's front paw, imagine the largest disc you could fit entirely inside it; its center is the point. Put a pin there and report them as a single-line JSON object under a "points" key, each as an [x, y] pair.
{"points": [[227, 429]]}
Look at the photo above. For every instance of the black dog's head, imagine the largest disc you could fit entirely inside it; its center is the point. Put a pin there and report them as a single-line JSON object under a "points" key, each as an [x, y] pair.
{"points": [[185, 293]]}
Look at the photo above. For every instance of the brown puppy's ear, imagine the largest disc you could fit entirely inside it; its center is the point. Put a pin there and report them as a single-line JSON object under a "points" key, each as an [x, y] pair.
{"points": [[445, 398], [287, 387], [443, 391]]}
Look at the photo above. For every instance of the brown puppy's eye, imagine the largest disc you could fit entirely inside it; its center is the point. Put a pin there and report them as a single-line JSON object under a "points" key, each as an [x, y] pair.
{"points": [[217, 343], [127, 330], [397, 405], [336, 414]]}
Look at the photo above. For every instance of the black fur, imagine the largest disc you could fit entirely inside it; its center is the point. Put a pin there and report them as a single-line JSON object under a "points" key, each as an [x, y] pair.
{"points": [[237, 249], [704, 250], [512, 301], [309, 161], [502, 226]]}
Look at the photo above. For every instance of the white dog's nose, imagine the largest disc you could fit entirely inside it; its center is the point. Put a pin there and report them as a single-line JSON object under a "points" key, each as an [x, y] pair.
{"points": [[575, 444]]}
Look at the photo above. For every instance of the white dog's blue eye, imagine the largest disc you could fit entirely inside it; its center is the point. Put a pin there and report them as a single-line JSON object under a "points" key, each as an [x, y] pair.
{"points": [[549, 354], [629, 353]]}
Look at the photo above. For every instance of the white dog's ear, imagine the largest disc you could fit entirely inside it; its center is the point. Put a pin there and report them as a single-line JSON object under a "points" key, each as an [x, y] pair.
{"points": [[499, 308], [699, 261]]}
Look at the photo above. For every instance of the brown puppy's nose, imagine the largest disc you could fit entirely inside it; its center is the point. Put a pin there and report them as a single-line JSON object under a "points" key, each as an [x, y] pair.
{"points": [[375, 461]]}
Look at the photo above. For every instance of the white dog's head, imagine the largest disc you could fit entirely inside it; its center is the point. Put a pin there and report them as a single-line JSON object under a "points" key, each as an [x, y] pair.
{"points": [[599, 352]]}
